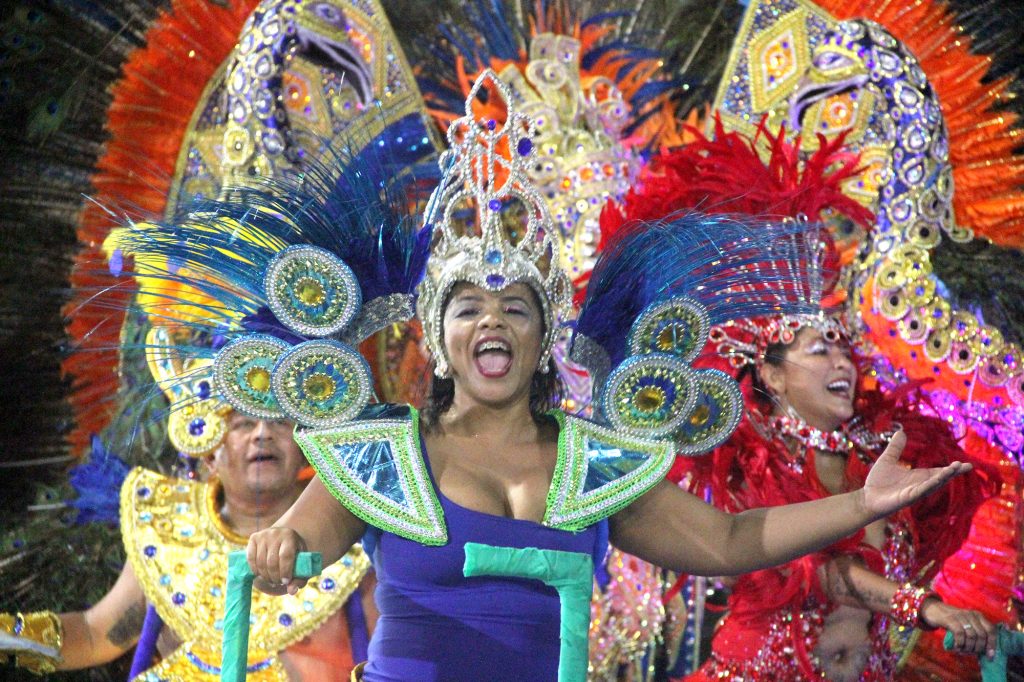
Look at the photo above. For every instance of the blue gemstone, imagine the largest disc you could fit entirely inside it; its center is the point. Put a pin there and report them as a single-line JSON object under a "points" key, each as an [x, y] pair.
{"points": [[495, 281], [197, 426], [524, 147], [149, 550], [285, 619], [494, 205], [143, 492], [492, 124], [327, 584], [204, 554], [218, 624], [204, 390], [178, 598], [493, 257], [165, 580], [215, 591], [116, 263]]}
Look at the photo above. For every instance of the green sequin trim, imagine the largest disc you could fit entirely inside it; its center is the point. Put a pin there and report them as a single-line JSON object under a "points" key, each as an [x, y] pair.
{"points": [[569, 507], [420, 518]]}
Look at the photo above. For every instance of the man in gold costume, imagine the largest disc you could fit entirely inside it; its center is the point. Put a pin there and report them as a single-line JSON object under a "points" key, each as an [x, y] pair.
{"points": [[177, 536]]}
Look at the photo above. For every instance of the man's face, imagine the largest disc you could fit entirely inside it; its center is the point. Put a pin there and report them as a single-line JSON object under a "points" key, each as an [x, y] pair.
{"points": [[258, 456]]}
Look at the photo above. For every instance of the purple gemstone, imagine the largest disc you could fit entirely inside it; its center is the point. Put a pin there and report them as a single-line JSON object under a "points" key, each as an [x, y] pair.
{"points": [[178, 598], [492, 124], [149, 550], [327, 584], [284, 619], [494, 205], [116, 263], [525, 146], [495, 281], [204, 390], [197, 426]]}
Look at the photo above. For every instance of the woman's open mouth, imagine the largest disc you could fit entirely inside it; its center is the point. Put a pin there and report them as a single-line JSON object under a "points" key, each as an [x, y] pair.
{"points": [[493, 357]]}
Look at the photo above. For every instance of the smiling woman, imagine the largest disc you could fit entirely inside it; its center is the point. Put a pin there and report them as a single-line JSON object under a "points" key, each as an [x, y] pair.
{"points": [[480, 515], [808, 435]]}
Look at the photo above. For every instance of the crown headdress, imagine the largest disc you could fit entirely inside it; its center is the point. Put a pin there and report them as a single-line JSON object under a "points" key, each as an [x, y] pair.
{"points": [[745, 342], [492, 227]]}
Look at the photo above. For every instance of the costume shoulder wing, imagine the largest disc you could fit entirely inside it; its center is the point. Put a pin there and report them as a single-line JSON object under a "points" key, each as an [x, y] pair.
{"points": [[600, 472], [375, 467]]}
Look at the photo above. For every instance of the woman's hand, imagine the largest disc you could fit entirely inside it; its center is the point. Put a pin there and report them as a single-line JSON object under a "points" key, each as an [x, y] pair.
{"points": [[892, 485], [972, 632], [271, 554]]}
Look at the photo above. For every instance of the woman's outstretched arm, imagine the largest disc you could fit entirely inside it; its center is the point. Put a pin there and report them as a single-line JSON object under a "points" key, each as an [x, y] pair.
{"points": [[317, 522], [671, 528]]}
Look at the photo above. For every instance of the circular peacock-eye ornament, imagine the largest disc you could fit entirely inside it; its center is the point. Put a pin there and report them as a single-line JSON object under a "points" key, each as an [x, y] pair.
{"points": [[242, 371], [717, 414], [649, 395], [322, 383], [312, 291], [678, 326]]}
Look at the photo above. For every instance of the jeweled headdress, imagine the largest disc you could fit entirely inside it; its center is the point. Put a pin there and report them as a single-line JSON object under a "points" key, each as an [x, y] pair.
{"points": [[745, 342], [491, 226], [591, 82]]}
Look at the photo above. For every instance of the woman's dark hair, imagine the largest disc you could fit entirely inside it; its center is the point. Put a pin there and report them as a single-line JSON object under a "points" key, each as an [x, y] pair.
{"points": [[774, 355], [546, 391]]}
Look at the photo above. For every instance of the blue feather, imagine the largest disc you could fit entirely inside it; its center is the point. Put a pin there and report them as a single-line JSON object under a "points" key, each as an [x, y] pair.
{"points": [[735, 267], [98, 484]]}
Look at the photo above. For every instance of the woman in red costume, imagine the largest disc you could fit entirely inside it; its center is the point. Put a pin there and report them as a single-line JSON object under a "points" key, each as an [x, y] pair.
{"points": [[846, 613], [809, 433]]}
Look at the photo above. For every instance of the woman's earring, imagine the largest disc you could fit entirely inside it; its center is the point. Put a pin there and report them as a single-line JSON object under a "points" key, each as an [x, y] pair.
{"points": [[441, 370]]}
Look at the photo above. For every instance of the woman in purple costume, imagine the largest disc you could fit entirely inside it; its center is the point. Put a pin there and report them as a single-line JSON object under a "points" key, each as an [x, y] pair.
{"points": [[490, 464]]}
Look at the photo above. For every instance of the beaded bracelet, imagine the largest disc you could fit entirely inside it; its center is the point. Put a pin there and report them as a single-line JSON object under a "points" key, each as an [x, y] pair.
{"points": [[905, 607]]}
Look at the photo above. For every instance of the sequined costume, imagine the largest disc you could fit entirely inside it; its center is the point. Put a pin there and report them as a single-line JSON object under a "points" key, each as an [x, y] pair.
{"points": [[776, 615], [178, 547], [436, 624]]}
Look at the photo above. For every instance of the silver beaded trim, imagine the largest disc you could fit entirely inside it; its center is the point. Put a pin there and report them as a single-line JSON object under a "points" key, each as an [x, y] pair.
{"points": [[420, 517], [638, 364], [326, 263], [724, 390], [358, 391], [226, 364], [569, 506], [378, 314], [677, 307]]}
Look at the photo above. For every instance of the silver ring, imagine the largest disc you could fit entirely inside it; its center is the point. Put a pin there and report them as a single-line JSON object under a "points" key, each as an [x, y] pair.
{"points": [[968, 626]]}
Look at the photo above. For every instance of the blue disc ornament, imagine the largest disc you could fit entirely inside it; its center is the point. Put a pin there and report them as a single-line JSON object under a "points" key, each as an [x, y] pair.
{"points": [[649, 395], [322, 383], [242, 373], [678, 326], [716, 415], [312, 291]]}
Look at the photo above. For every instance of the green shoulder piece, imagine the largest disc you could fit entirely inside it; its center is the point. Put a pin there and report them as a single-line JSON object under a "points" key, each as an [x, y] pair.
{"points": [[375, 468], [600, 472]]}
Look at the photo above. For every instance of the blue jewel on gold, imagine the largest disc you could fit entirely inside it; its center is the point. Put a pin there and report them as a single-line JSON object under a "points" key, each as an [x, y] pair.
{"points": [[149, 550], [178, 598]]}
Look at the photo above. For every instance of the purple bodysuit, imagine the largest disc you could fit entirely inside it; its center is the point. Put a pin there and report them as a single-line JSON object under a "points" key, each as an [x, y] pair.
{"points": [[436, 624]]}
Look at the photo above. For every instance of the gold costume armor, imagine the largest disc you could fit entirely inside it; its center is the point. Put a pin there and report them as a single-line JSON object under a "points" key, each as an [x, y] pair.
{"points": [[178, 547]]}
